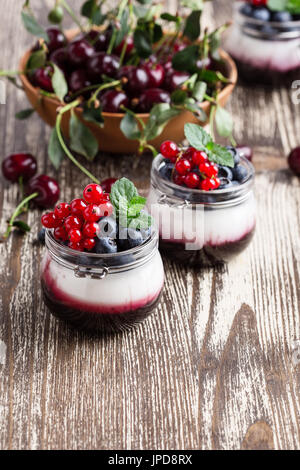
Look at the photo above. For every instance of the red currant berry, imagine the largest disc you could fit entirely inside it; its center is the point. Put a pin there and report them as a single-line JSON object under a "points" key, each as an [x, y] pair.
{"points": [[106, 209], [76, 246], [212, 170], [49, 220], [217, 183], [91, 230], [192, 180], [73, 221], [60, 234], [183, 166], [205, 184], [178, 179], [89, 243], [107, 184], [205, 168], [92, 213], [74, 235], [169, 150], [19, 164], [188, 154], [78, 206], [62, 210], [105, 197], [199, 157], [93, 193]]}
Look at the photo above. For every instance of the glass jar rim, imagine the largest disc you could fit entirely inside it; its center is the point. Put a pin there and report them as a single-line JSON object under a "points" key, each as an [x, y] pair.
{"points": [[131, 258], [199, 195], [285, 25]]}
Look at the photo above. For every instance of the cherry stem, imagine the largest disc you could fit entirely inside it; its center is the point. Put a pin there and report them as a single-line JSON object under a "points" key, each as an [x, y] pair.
{"points": [[17, 212], [211, 121], [62, 142], [112, 41], [71, 13], [103, 87]]}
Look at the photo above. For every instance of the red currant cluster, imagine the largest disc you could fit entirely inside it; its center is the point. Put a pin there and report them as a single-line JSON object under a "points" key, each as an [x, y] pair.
{"points": [[76, 223], [192, 167]]}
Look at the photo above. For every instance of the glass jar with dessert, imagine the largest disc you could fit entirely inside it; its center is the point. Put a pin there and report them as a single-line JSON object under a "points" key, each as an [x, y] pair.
{"points": [[101, 272], [264, 40], [205, 211]]}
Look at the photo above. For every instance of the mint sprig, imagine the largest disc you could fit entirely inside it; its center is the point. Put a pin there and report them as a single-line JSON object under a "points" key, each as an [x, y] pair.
{"points": [[201, 140], [128, 205], [292, 6]]}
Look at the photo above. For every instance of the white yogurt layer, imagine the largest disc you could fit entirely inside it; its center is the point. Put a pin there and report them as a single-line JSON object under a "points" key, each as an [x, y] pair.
{"points": [[280, 56], [122, 291], [203, 227]]}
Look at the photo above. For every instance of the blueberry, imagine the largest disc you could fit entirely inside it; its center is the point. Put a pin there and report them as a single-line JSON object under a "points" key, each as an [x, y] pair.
{"points": [[261, 13], [224, 183], [268, 30], [247, 9], [281, 16], [41, 236], [166, 170], [235, 154], [108, 227], [105, 245], [129, 238], [225, 172], [239, 173]]}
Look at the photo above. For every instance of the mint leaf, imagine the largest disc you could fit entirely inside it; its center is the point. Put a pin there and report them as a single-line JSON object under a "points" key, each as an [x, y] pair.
{"points": [[220, 155], [293, 6], [143, 221], [122, 191], [136, 205], [277, 5], [196, 136]]}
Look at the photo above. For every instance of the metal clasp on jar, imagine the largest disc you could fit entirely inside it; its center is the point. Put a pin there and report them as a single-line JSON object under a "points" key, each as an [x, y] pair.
{"points": [[87, 271], [163, 199]]}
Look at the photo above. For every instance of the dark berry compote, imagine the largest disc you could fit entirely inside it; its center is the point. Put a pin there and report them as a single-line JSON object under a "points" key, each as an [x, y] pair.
{"points": [[264, 43], [99, 272], [205, 211]]}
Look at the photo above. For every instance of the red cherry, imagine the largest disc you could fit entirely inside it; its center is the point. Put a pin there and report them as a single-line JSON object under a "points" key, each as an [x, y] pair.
{"points": [[156, 74], [89, 243], [138, 79], [102, 64], [183, 166], [92, 213], [129, 46], [106, 209], [60, 58], [78, 206], [47, 189], [76, 246], [199, 157], [56, 37], [91, 229], [73, 221], [169, 150], [42, 78], [174, 79], [60, 234], [19, 164], [79, 52], [152, 96], [107, 184], [112, 100], [78, 80], [246, 151], [192, 180], [74, 235], [93, 193], [294, 160], [49, 220], [62, 210]]}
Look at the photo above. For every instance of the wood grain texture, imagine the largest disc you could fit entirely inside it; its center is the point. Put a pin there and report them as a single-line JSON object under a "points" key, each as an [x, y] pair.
{"points": [[212, 368]]}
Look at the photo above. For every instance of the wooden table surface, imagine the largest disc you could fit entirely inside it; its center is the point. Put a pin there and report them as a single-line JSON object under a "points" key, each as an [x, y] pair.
{"points": [[216, 367]]}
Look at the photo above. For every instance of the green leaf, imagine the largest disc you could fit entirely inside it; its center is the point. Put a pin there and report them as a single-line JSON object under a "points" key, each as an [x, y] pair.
{"points": [[136, 205], [129, 127], [192, 26], [93, 115], [55, 150], [178, 96], [88, 8], [32, 26], [186, 59], [24, 114], [159, 116], [21, 226], [223, 122], [142, 43], [122, 192], [36, 60], [199, 91], [124, 27], [59, 83], [170, 18], [196, 136], [220, 155], [193, 4], [142, 221], [293, 6], [277, 5], [82, 140]]}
